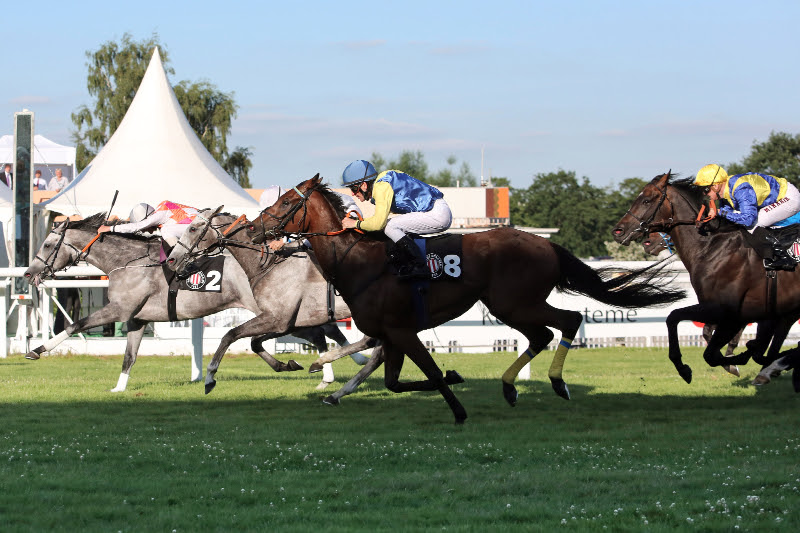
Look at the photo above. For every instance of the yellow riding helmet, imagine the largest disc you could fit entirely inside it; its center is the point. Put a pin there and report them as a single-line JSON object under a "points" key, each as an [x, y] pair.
{"points": [[710, 174]]}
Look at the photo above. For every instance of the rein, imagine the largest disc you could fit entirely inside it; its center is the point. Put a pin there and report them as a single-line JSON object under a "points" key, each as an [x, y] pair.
{"points": [[278, 231]]}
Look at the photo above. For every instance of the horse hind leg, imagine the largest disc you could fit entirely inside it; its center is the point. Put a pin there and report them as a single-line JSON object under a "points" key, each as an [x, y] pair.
{"points": [[533, 326], [538, 339]]}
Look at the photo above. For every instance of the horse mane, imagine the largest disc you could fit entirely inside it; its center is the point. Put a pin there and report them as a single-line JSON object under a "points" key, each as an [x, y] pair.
{"points": [[332, 197], [91, 223]]}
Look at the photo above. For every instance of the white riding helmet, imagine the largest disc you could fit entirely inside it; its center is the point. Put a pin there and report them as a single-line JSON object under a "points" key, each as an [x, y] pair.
{"points": [[140, 212]]}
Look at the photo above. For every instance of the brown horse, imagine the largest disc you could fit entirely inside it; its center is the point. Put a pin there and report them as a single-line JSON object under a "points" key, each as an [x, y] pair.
{"points": [[510, 271], [728, 276]]}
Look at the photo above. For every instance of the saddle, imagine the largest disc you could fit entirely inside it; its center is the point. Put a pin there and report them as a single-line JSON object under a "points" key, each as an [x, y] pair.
{"points": [[778, 247], [442, 253], [443, 256]]}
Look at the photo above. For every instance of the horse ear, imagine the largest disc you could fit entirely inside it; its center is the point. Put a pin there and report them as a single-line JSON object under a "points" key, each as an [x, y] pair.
{"points": [[217, 210], [316, 179]]}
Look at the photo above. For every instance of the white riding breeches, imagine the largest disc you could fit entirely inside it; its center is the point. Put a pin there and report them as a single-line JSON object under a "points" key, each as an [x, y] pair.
{"points": [[437, 219], [783, 208]]}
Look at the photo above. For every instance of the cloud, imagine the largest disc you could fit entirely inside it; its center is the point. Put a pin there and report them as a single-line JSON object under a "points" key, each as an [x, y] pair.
{"points": [[30, 99]]}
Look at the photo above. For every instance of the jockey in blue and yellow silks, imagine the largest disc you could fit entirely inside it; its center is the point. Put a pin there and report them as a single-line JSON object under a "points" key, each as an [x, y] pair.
{"points": [[419, 208], [756, 200]]}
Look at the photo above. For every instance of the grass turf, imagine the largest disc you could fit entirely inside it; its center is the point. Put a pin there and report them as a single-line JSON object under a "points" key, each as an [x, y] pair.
{"points": [[635, 449]]}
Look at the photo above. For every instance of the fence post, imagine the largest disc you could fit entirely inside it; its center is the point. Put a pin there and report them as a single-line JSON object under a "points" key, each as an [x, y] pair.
{"points": [[3, 315]]}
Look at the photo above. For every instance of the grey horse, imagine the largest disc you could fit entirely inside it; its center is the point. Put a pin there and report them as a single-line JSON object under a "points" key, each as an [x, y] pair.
{"points": [[138, 289], [301, 301]]}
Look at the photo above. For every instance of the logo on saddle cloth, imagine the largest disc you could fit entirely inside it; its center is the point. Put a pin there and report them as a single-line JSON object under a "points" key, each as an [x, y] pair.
{"points": [[443, 253]]}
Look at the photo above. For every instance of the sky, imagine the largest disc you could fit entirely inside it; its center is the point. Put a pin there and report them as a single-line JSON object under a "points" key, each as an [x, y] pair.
{"points": [[607, 89]]}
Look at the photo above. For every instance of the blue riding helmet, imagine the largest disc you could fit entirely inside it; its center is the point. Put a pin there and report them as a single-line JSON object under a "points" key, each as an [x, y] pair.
{"points": [[358, 171]]}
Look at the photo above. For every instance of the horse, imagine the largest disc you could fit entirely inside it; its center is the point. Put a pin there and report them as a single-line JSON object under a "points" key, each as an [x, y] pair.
{"points": [[138, 289], [302, 300], [510, 271], [658, 242], [727, 275]]}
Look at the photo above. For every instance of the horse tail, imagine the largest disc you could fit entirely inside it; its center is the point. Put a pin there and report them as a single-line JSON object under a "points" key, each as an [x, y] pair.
{"points": [[644, 287]]}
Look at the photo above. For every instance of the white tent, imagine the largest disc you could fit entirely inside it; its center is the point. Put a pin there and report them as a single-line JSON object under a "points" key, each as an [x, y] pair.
{"points": [[47, 155], [153, 156]]}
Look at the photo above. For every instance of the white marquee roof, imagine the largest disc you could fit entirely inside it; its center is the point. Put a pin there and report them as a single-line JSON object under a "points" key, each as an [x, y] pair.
{"points": [[154, 155]]}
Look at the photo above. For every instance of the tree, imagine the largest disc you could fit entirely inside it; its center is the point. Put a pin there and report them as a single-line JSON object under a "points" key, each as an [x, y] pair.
{"points": [[115, 73], [238, 165], [584, 214], [779, 156], [210, 113]]}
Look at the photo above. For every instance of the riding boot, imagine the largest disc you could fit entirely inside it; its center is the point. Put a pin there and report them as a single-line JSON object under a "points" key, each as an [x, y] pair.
{"points": [[780, 260], [412, 264]]}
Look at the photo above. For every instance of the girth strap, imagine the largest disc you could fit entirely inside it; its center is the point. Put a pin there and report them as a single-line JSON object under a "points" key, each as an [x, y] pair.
{"points": [[772, 292], [172, 293]]}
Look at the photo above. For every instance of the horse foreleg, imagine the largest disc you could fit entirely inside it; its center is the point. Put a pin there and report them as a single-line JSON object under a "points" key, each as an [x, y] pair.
{"points": [[721, 337], [699, 313], [110, 313], [372, 364], [408, 342], [134, 340], [257, 345], [254, 327]]}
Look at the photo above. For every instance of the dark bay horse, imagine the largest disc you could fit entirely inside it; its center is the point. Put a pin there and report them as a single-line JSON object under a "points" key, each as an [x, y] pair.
{"points": [[728, 276], [510, 271], [288, 288], [137, 288], [658, 242]]}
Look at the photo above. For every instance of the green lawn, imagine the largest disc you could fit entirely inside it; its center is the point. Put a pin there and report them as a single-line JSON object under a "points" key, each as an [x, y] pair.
{"points": [[636, 449]]}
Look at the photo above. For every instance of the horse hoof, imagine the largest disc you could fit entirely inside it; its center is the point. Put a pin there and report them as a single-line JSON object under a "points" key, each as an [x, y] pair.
{"points": [[330, 400], [451, 377], [732, 369], [33, 356], [560, 387], [460, 420], [796, 380], [760, 380], [315, 367], [210, 386], [510, 394], [293, 365], [686, 373], [323, 385]]}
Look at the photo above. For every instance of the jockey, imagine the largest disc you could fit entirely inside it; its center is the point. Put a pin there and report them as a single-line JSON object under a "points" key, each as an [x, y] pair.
{"points": [[756, 201], [171, 218], [420, 210]]}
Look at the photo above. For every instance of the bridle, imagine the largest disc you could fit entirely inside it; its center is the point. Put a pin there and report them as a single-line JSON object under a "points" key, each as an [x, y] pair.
{"points": [[49, 269], [646, 224], [222, 240], [277, 231]]}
